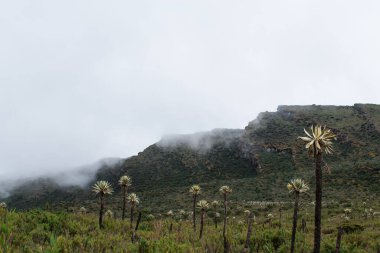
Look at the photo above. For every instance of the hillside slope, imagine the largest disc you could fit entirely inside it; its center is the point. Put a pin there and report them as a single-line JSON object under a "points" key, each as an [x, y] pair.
{"points": [[256, 162]]}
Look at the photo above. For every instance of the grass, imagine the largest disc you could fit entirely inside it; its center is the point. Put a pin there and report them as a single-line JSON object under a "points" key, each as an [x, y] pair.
{"points": [[46, 231]]}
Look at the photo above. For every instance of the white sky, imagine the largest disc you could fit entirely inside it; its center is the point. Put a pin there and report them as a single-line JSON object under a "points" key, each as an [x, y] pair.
{"points": [[83, 80]]}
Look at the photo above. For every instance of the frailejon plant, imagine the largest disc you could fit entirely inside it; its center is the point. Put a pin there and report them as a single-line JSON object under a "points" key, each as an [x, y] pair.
{"points": [[3, 211], [280, 213], [225, 190], [195, 191], [247, 214], [249, 232], [102, 188], [133, 201], [125, 182], [296, 187], [150, 217], [369, 213], [318, 141], [339, 239], [203, 205], [82, 210], [183, 215], [108, 214], [134, 232], [346, 214], [215, 204], [269, 219], [170, 215]]}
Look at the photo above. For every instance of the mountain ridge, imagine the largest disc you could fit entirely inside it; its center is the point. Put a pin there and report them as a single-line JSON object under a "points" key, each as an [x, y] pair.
{"points": [[256, 161]]}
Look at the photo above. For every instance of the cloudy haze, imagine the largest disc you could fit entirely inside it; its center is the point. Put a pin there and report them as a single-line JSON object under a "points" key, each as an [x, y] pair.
{"points": [[83, 80]]}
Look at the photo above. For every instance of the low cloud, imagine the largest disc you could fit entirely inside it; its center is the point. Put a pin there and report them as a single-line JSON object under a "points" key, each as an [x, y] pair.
{"points": [[201, 141], [79, 176]]}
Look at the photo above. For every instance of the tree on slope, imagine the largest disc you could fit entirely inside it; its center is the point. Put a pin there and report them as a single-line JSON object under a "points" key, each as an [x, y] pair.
{"points": [[203, 205], [133, 201], [124, 182], [215, 205], [318, 141], [102, 188], [194, 191], [225, 190], [296, 187]]}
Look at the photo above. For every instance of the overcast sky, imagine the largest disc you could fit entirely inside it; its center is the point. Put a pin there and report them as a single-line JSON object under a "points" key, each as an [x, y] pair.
{"points": [[83, 80]]}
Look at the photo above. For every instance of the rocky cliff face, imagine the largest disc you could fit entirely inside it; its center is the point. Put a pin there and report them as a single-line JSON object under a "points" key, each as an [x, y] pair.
{"points": [[276, 132]]}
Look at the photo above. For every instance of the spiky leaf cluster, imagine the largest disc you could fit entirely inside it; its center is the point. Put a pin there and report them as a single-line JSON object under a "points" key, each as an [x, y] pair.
{"points": [[125, 181], [318, 140], [195, 190], [347, 210], [215, 204], [109, 214], [102, 188], [183, 214], [150, 217], [224, 190], [133, 199], [297, 186], [83, 210], [203, 204]]}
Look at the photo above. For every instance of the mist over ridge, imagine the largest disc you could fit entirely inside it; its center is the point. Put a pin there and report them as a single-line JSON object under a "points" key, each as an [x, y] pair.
{"points": [[254, 160], [79, 176], [201, 141]]}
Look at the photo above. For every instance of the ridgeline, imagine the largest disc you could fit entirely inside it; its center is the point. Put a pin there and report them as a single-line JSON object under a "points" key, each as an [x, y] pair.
{"points": [[256, 162]]}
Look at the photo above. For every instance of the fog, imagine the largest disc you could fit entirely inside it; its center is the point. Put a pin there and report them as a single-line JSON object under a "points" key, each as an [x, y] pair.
{"points": [[80, 176], [201, 142], [86, 80]]}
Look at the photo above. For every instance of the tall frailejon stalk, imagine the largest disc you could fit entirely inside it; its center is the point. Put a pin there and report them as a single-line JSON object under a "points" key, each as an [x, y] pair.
{"points": [[319, 140], [339, 239], [203, 205], [215, 205], [296, 187], [225, 190], [125, 182], [3, 211], [183, 216], [247, 214], [194, 191], [249, 232], [102, 188], [133, 201], [269, 219], [134, 233], [170, 215]]}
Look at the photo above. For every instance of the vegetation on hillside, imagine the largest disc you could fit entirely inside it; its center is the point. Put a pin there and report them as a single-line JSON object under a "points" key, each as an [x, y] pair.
{"points": [[258, 165], [265, 155], [46, 231]]}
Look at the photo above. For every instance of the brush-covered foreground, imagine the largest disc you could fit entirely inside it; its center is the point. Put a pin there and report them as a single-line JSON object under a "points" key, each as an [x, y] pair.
{"points": [[46, 231]]}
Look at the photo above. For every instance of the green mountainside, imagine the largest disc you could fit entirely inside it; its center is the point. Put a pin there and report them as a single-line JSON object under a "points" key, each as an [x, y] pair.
{"points": [[256, 162]]}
